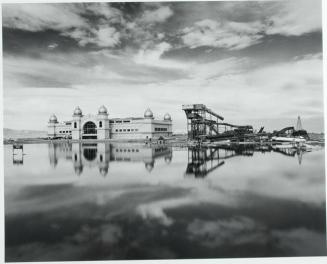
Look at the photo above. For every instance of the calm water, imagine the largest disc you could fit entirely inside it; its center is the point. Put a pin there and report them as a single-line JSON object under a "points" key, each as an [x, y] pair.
{"points": [[123, 201]]}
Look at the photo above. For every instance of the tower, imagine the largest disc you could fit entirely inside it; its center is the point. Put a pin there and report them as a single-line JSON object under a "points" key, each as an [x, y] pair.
{"points": [[76, 124], [299, 124], [103, 123], [52, 126]]}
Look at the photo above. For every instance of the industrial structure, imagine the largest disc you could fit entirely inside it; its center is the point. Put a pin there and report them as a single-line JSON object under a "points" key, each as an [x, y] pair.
{"points": [[100, 126], [204, 124]]}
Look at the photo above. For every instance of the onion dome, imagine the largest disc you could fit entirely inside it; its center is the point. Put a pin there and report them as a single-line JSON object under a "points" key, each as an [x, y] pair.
{"points": [[167, 117], [53, 119], [149, 166], [148, 113], [103, 171], [103, 110], [77, 111]]}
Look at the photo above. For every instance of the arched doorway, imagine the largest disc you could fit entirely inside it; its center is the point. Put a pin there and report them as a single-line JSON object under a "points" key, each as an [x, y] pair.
{"points": [[89, 130]]}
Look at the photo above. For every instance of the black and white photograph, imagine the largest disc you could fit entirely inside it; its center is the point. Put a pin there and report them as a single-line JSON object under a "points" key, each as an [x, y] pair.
{"points": [[173, 130]]}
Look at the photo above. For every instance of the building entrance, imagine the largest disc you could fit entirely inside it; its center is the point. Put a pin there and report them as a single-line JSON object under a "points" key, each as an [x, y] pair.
{"points": [[89, 130]]}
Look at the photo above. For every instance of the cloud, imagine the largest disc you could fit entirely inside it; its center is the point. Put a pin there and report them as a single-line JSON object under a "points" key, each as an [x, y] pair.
{"points": [[69, 19], [293, 19], [159, 15], [52, 46], [152, 56], [234, 32], [230, 35], [38, 17], [104, 36]]}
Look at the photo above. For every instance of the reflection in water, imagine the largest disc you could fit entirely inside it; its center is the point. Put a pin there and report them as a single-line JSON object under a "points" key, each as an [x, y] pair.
{"points": [[101, 154], [204, 160], [246, 201], [18, 155]]}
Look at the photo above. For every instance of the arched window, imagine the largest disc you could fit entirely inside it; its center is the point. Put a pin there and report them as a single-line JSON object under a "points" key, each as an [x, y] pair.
{"points": [[75, 125], [100, 124], [89, 128]]}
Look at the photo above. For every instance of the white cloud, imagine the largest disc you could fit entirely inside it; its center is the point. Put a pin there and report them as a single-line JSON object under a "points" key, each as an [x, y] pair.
{"points": [[293, 18], [104, 36], [288, 18], [103, 9], [52, 46], [229, 35], [151, 56], [37, 17], [159, 15], [69, 19]]}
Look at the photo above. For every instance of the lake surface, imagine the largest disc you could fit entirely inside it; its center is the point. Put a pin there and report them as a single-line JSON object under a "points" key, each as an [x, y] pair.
{"points": [[131, 201]]}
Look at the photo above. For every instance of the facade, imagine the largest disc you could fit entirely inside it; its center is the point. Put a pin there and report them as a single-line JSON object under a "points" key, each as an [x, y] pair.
{"points": [[101, 127]]}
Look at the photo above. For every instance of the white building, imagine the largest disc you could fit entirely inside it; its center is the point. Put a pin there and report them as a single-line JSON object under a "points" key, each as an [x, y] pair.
{"points": [[101, 127]]}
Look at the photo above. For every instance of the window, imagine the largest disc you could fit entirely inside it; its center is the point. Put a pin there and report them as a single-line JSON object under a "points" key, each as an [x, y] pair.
{"points": [[128, 130], [124, 130], [120, 130], [160, 129], [111, 121], [136, 130], [118, 121], [116, 130], [100, 124], [89, 128], [75, 125], [127, 121]]}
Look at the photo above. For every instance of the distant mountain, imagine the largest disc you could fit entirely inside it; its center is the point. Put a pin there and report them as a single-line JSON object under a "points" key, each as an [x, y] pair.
{"points": [[13, 133]]}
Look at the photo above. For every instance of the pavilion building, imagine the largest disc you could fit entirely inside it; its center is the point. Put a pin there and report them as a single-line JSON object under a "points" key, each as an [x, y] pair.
{"points": [[101, 127]]}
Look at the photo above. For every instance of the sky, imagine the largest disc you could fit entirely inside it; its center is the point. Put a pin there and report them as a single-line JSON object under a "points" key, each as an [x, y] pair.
{"points": [[256, 63]]}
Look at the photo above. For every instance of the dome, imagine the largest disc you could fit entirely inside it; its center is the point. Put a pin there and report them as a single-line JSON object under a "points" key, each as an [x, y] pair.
{"points": [[148, 113], [167, 117], [149, 166], [103, 171], [53, 119], [103, 110], [77, 111]]}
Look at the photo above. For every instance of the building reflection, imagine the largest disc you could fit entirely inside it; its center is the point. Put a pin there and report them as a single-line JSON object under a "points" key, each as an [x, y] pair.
{"points": [[204, 160], [100, 155]]}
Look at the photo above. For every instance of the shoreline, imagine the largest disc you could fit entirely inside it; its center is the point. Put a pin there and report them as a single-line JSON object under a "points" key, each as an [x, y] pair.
{"points": [[41, 141]]}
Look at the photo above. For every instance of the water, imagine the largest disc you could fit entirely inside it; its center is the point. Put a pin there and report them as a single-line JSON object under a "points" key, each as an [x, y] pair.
{"points": [[130, 201]]}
